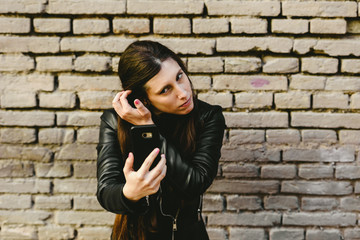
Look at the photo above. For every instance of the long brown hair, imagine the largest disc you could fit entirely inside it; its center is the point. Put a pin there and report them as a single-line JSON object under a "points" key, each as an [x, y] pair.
{"points": [[140, 62]]}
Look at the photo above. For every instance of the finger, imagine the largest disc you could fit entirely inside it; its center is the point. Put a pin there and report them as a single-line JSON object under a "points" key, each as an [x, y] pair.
{"points": [[157, 170], [148, 161], [129, 162], [161, 176], [124, 101], [124, 96], [141, 107], [116, 103], [117, 97]]}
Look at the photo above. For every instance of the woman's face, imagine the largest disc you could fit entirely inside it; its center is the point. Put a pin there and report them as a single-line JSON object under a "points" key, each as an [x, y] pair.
{"points": [[169, 91]]}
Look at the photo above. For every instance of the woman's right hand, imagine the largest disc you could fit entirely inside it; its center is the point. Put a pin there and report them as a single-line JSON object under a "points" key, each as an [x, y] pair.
{"points": [[139, 115], [143, 182]]}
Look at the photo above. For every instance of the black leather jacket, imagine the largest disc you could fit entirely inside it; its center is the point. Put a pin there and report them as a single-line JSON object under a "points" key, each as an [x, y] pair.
{"points": [[187, 178]]}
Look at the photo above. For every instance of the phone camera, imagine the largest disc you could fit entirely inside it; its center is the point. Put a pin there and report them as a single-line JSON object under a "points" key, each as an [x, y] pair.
{"points": [[147, 135]]}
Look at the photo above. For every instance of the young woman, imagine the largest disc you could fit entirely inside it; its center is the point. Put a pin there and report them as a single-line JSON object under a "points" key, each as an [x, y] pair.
{"points": [[163, 202]]}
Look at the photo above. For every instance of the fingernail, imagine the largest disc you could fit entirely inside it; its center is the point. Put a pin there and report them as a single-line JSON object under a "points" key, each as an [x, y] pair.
{"points": [[137, 101], [162, 155], [157, 150], [129, 155]]}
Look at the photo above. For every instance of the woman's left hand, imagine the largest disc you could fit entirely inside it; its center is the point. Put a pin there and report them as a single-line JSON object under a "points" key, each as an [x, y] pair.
{"points": [[137, 116]]}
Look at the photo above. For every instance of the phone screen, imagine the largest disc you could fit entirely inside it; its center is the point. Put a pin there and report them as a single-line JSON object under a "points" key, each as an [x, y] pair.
{"points": [[144, 139]]}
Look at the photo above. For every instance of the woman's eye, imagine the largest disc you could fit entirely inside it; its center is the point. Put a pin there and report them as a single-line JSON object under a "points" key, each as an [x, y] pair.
{"points": [[179, 76], [165, 90]]}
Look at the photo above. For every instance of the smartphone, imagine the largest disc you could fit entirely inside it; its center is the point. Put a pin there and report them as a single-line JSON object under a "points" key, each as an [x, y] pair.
{"points": [[144, 139]]}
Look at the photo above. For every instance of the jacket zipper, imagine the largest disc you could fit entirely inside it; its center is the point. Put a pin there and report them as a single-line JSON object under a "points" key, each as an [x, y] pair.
{"points": [[174, 224], [174, 228]]}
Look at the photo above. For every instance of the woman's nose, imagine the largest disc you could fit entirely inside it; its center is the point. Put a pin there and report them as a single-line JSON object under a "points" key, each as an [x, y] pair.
{"points": [[181, 92]]}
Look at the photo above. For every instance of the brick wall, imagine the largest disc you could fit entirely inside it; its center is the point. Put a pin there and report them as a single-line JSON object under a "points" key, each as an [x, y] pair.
{"points": [[287, 74]]}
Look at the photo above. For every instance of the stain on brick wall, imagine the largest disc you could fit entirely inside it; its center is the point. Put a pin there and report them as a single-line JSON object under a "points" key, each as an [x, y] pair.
{"points": [[285, 72]]}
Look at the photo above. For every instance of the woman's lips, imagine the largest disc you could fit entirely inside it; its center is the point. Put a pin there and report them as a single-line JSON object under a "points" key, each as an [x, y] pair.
{"points": [[187, 103]]}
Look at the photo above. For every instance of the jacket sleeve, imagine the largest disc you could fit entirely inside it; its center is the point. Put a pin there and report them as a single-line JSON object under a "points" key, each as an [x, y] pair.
{"points": [[191, 177], [110, 174]]}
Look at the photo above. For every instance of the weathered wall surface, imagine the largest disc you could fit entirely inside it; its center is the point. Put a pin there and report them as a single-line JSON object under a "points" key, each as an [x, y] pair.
{"points": [[285, 72]]}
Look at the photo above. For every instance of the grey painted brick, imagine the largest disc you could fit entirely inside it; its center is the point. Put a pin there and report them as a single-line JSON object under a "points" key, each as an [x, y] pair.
{"points": [[84, 217], [317, 187], [8, 201], [281, 202], [89, 83], [10, 168], [265, 8], [341, 154], [55, 232], [244, 186], [75, 186], [15, 44], [86, 7], [17, 135], [78, 118], [28, 118], [246, 136], [319, 136], [245, 219], [247, 233], [18, 232], [320, 219], [244, 154], [24, 186], [96, 99], [85, 170], [245, 44], [283, 136], [56, 170], [286, 233], [347, 172], [352, 233], [237, 171], [52, 25], [18, 100], [321, 9], [53, 202], [36, 153], [249, 82], [350, 204], [86, 203], [319, 204], [16, 62], [213, 203], [22, 6], [256, 119], [278, 172], [315, 171], [94, 233], [165, 8], [332, 234], [29, 83], [349, 136], [55, 135], [236, 202], [216, 233], [88, 135], [77, 151], [36, 217], [137, 25]]}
